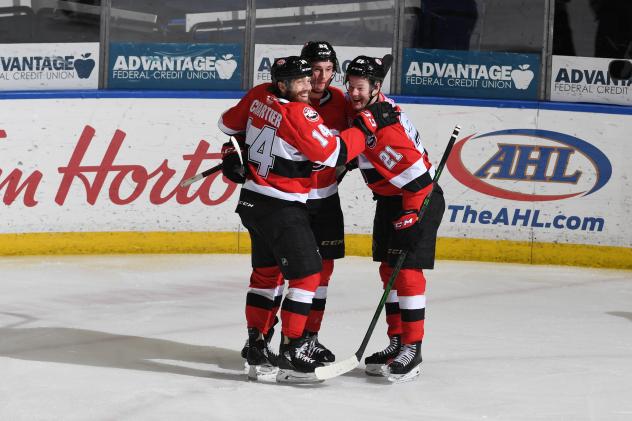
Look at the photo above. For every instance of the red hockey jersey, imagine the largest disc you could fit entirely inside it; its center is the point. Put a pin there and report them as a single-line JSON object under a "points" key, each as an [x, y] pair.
{"points": [[332, 108], [395, 162], [283, 140]]}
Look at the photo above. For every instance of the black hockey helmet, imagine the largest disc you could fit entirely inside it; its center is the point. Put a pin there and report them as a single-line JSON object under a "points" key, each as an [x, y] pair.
{"points": [[314, 51], [288, 68], [369, 67]]}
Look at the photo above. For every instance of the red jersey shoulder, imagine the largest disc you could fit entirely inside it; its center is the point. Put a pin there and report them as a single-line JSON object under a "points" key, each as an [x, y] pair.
{"points": [[302, 113]]}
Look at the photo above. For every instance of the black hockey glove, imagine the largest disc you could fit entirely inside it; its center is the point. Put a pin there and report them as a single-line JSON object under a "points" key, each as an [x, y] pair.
{"points": [[407, 229], [376, 116], [231, 165]]}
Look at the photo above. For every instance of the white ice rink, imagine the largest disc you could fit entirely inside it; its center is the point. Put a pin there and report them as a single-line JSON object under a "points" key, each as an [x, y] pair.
{"points": [[157, 337]]}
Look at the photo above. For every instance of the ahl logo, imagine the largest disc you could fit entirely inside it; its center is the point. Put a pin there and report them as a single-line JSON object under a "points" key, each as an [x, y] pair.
{"points": [[531, 165]]}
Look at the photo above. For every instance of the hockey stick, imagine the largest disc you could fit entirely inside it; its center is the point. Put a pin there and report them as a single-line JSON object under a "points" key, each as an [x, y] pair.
{"points": [[387, 62], [197, 177], [344, 366]]}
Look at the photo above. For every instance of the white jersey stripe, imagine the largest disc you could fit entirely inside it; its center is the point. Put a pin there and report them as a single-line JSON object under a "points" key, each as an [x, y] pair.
{"points": [[323, 192], [333, 158], [272, 192], [411, 173], [226, 129]]}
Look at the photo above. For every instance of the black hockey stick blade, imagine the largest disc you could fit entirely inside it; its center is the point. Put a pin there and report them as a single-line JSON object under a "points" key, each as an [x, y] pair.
{"points": [[344, 366], [197, 177]]}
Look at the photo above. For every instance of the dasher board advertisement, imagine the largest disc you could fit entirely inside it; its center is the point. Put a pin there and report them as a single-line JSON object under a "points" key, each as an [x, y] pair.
{"points": [[470, 74], [586, 79], [49, 66]]}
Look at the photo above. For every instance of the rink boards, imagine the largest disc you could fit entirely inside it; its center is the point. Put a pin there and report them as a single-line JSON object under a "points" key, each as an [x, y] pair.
{"points": [[93, 172]]}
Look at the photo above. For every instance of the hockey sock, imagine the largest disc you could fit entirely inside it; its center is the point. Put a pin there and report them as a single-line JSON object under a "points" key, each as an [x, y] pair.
{"points": [[393, 319], [411, 288], [260, 297], [297, 303], [315, 317], [278, 297]]}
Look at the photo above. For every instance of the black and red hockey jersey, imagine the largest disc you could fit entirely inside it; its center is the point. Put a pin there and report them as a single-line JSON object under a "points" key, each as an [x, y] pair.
{"points": [[395, 162], [283, 141], [332, 108]]}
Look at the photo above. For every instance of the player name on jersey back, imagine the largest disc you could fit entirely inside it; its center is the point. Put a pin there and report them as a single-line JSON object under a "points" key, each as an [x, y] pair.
{"points": [[263, 111]]}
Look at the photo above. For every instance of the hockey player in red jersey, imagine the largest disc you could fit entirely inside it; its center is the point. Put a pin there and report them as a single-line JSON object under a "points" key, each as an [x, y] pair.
{"points": [[395, 165], [323, 202], [284, 136]]}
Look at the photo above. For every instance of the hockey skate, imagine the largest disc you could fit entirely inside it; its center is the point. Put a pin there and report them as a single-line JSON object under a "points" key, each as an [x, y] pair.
{"points": [[318, 351], [406, 366], [267, 337], [261, 362], [375, 362], [295, 363]]}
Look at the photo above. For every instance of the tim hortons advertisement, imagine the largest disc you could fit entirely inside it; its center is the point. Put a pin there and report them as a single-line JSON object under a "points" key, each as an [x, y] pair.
{"points": [[116, 164], [585, 79], [266, 53], [49, 66], [112, 165]]}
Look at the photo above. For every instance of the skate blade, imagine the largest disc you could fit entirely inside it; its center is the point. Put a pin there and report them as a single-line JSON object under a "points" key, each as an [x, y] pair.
{"points": [[375, 370], [402, 378], [291, 376], [265, 373]]}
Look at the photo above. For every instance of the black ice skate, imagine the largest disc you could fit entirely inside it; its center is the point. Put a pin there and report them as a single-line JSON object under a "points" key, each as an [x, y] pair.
{"points": [[267, 337], [295, 363], [375, 362], [318, 351], [406, 366], [261, 361]]}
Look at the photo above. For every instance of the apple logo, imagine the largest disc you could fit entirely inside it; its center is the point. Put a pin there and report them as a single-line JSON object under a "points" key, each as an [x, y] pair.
{"points": [[84, 67], [522, 78], [226, 66]]}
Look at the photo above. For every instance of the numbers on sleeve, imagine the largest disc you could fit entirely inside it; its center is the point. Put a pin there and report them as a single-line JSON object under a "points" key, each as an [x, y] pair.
{"points": [[390, 157], [322, 134]]}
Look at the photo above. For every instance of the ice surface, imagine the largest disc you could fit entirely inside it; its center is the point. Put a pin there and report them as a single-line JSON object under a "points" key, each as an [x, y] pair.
{"points": [[157, 337]]}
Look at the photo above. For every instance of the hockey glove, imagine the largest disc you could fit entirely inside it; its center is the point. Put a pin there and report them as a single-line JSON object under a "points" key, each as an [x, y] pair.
{"points": [[376, 116], [231, 165], [407, 229]]}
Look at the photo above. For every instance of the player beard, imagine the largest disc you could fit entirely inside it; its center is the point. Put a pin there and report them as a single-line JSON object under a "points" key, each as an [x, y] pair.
{"points": [[299, 96]]}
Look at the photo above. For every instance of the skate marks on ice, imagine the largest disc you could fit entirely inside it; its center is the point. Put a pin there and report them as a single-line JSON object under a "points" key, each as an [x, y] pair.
{"points": [[102, 349]]}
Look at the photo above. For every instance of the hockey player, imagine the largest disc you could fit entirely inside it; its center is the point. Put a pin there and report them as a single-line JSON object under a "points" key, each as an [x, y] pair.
{"points": [[396, 166], [283, 137], [323, 202]]}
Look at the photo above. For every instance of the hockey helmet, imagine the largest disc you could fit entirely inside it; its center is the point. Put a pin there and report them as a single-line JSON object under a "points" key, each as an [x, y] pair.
{"points": [[369, 67], [288, 68], [314, 51]]}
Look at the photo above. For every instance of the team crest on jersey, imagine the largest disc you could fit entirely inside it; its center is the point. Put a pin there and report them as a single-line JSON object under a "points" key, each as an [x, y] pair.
{"points": [[310, 114], [371, 141]]}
